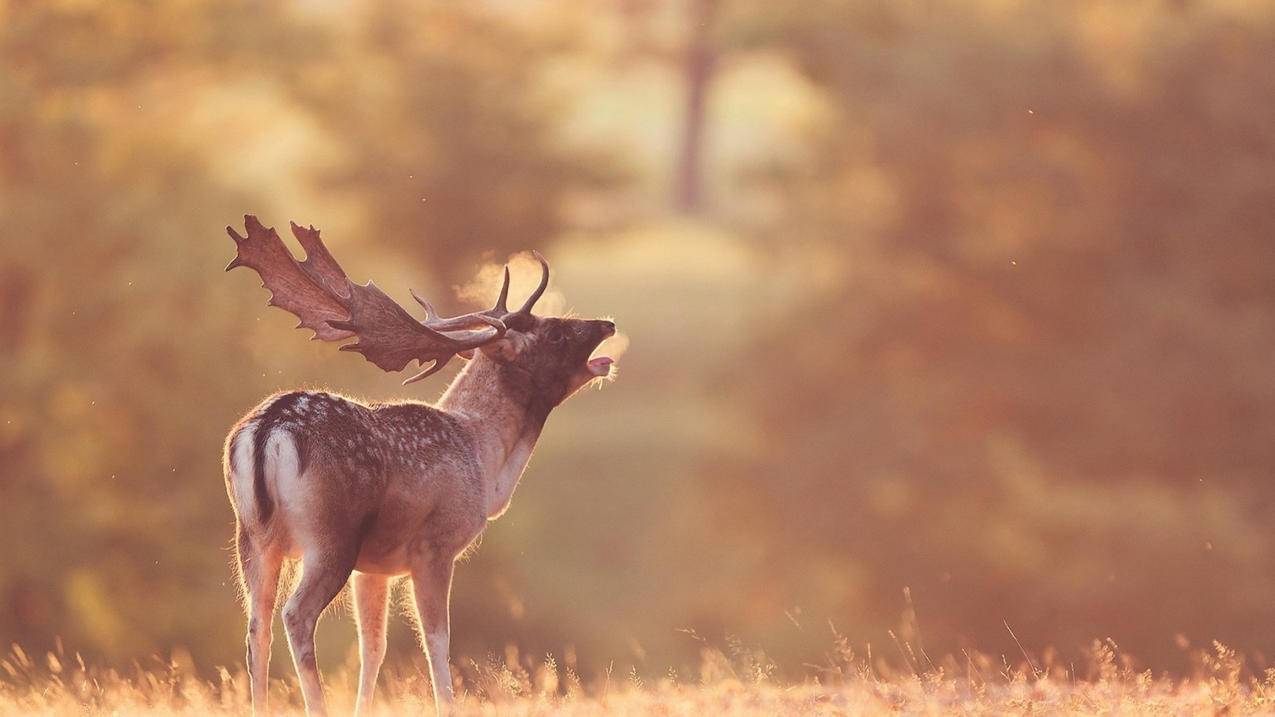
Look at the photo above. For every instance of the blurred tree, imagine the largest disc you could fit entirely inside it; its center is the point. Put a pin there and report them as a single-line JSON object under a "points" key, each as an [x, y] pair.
{"points": [[1059, 287], [126, 352], [446, 136], [699, 62], [98, 435]]}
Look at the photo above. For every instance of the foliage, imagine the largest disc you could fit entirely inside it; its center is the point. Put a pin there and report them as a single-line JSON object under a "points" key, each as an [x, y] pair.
{"points": [[1037, 392], [125, 355], [976, 325]]}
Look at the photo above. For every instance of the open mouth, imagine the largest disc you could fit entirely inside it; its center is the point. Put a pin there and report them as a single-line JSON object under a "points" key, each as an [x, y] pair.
{"points": [[600, 366]]}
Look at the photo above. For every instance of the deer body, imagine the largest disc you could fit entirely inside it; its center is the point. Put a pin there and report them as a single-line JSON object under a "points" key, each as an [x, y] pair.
{"points": [[377, 491]]}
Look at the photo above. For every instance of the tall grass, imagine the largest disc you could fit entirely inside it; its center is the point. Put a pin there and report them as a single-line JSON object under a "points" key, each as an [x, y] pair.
{"points": [[730, 681]]}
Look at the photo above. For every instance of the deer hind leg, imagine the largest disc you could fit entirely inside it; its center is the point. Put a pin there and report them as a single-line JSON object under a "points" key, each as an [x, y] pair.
{"points": [[323, 574], [259, 573], [371, 598]]}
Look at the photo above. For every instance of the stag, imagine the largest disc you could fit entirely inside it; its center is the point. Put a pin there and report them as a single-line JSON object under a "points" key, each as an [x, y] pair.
{"points": [[382, 490]]}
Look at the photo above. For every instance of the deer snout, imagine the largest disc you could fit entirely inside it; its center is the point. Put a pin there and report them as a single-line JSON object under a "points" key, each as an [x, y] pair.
{"points": [[607, 327]]}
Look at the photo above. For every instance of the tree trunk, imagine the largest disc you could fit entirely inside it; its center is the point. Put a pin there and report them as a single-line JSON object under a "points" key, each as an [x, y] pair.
{"points": [[701, 58]]}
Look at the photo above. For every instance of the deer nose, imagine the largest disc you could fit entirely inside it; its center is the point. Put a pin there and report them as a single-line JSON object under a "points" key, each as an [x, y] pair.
{"points": [[608, 327]]}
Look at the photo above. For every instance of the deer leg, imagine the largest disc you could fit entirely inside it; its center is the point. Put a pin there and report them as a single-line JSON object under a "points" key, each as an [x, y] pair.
{"points": [[371, 596], [431, 586], [259, 576], [322, 577]]}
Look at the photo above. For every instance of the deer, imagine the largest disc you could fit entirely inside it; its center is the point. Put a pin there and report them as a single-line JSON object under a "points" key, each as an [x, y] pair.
{"points": [[369, 492]]}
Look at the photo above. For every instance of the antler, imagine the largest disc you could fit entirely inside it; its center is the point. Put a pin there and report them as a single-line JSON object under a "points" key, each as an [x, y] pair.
{"points": [[498, 311], [318, 292]]}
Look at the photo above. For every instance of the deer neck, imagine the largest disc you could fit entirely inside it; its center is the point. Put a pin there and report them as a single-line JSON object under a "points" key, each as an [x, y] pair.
{"points": [[505, 414]]}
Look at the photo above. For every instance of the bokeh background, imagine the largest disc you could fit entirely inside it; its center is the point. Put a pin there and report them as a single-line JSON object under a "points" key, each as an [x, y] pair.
{"points": [[946, 317]]}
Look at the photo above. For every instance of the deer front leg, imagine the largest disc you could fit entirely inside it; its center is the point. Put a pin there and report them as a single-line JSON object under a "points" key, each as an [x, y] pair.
{"points": [[431, 586], [371, 595]]}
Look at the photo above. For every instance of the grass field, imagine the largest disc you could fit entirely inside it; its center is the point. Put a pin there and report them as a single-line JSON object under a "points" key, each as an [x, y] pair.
{"points": [[738, 685]]}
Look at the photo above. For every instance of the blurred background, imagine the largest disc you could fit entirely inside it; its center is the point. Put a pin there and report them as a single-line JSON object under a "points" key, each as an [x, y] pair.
{"points": [[946, 317]]}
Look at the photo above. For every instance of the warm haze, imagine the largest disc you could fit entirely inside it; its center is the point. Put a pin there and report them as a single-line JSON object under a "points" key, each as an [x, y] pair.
{"points": [[946, 328]]}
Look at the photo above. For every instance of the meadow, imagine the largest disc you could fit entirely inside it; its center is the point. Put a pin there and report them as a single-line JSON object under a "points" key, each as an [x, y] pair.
{"points": [[968, 301], [736, 681]]}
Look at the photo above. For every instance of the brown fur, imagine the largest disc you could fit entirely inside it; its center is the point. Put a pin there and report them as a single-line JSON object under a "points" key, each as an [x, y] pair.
{"points": [[388, 489]]}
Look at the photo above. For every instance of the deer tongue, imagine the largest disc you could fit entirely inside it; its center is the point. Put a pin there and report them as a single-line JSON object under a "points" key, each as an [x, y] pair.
{"points": [[600, 366]]}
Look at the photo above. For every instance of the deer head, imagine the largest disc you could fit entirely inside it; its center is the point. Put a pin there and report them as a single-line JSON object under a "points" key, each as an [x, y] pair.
{"points": [[551, 354]]}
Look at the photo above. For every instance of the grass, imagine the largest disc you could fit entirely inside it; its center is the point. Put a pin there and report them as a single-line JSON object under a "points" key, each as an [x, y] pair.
{"points": [[739, 684]]}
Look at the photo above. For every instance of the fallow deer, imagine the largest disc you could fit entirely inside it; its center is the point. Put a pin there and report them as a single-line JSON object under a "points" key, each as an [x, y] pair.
{"points": [[380, 490]]}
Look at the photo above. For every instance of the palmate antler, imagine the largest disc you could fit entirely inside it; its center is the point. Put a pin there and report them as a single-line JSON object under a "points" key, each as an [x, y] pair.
{"points": [[318, 292]]}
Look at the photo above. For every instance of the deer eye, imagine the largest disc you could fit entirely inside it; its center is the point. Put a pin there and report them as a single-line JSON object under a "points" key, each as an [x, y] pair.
{"points": [[555, 335]]}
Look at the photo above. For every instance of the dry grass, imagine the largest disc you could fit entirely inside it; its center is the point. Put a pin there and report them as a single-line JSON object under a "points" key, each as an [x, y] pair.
{"points": [[739, 684]]}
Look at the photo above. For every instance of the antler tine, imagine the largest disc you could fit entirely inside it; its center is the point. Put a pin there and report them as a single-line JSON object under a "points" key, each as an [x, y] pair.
{"points": [[470, 341], [491, 317], [540, 290], [430, 314], [236, 262], [499, 308], [466, 340], [433, 369], [492, 321], [494, 316]]}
